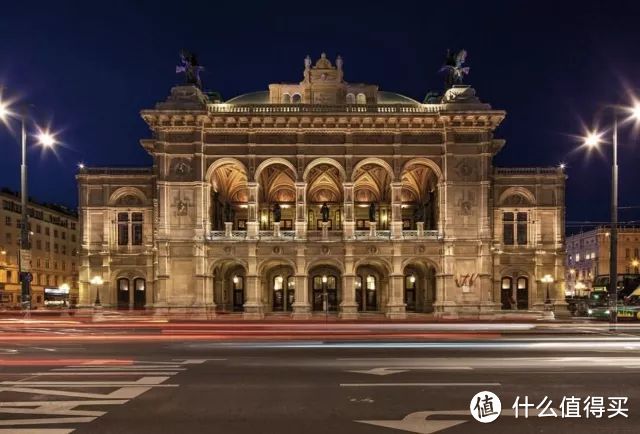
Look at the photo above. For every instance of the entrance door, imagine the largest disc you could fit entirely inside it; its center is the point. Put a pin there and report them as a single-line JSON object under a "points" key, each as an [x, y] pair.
{"points": [[522, 293], [291, 292], [237, 288], [139, 293], [278, 293], [371, 293], [506, 291], [123, 293], [325, 284], [410, 292]]}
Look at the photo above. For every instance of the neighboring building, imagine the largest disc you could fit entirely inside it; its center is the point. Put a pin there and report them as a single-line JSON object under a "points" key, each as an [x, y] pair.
{"points": [[452, 233], [588, 256], [54, 239]]}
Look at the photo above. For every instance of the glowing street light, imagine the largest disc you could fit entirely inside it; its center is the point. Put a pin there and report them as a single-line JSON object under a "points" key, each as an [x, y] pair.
{"points": [[592, 140], [97, 282], [46, 139]]}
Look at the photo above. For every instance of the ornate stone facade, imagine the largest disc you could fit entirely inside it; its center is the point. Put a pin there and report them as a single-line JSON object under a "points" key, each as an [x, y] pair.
{"points": [[446, 233]]}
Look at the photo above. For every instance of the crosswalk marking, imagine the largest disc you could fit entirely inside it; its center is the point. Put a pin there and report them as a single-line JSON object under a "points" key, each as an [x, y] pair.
{"points": [[146, 376]]}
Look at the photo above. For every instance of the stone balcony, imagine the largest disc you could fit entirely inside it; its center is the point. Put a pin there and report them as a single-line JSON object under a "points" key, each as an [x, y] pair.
{"points": [[381, 235]]}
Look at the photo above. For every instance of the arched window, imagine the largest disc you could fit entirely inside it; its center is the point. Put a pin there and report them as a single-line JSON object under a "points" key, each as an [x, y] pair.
{"points": [[361, 98], [296, 98], [351, 98], [371, 283], [286, 98]]}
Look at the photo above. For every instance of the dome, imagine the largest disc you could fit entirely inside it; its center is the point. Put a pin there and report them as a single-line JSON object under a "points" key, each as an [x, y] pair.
{"points": [[394, 98], [260, 97]]}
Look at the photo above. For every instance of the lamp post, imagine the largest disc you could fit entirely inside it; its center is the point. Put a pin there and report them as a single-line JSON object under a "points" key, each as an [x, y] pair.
{"points": [[97, 282], [592, 140], [47, 140], [548, 279]]}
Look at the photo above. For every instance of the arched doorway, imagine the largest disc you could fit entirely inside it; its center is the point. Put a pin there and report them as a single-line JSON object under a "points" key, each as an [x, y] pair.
{"points": [[369, 282], [514, 291], [229, 286], [324, 285], [419, 284], [280, 287]]}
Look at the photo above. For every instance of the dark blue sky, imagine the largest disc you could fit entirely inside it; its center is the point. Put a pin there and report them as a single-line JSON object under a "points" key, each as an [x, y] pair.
{"points": [[90, 67]]}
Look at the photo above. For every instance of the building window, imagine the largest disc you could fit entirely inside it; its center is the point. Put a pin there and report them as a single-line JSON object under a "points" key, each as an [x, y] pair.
{"points": [[63, 235], [73, 238], [123, 229], [296, 98], [507, 227], [351, 98], [64, 249], [38, 229], [9, 276], [286, 98], [64, 266], [7, 221], [627, 253], [136, 228], [8, 237], [522, 228], [46, 231], [361, 98], [38, 244], [577, 257], [73, 226]]}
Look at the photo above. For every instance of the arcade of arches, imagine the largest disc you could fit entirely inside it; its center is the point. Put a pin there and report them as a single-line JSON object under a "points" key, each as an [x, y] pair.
{"points": [[324, 287], [238, 200]]}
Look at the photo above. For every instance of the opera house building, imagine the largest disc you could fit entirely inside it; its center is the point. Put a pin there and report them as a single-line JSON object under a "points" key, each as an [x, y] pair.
{"points": [[323, 196]]}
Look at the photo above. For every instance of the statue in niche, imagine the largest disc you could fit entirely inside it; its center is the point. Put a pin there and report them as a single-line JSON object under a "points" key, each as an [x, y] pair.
{"points": [[190, 67], [182, 207], [372, 212], [453, 69], [324, 211], [228, 212], [277, 213]]}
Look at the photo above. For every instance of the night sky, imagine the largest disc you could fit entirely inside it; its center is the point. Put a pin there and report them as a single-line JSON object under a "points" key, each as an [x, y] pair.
{"points": [[88, 68]]}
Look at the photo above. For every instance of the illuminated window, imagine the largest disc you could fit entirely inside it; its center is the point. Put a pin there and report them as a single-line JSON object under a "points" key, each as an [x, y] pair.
{"points": [[351, 99], [361, 98]]}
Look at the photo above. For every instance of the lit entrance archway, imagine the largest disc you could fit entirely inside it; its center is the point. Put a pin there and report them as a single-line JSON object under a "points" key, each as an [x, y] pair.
{"points": [[324, 285], [419, 287]]}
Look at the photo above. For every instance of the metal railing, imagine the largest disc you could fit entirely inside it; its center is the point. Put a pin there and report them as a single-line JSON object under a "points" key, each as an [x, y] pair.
{"points": [[527, 170], [317, 235], [322, 108]]}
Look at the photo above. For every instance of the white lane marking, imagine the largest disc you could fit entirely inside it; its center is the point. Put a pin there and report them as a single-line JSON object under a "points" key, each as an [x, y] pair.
{"points": [[397, 370], [36, 431], [95, 373], [8, 351], [420, 423], [122, 368], [47, 421], [417, 384], [83, 384], [56, 408], [144, 381], [128, 392]]}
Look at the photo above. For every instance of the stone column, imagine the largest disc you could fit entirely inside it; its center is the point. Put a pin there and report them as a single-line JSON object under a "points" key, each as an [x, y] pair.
{"points": [[252, 211], [349, 223], [395, 308], [301, 210], [348, 305], [228, 229], [420, 229], [301, 306], [253, 307], [396, 210]]}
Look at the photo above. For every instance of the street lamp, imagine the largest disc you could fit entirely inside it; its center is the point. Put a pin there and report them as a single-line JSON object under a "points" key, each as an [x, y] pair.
{"points": [[97, 282], [548, 279], [325, 297], [46, 139], [593, 140]]}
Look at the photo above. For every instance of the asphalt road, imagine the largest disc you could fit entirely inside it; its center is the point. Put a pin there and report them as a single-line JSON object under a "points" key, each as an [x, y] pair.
{"points": [[316, 386]]}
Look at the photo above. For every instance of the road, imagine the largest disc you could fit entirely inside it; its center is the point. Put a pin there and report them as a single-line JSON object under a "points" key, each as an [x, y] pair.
{"points": [[241, 378]]}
